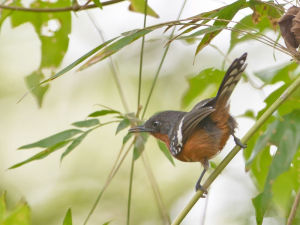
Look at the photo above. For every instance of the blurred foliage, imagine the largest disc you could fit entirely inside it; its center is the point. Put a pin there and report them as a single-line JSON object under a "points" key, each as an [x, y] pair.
{"points": [[276, 175], [19, 215]]}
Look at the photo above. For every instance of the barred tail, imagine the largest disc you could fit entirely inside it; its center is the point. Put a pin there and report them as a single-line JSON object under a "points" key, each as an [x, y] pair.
{"points": [[231, 78]]}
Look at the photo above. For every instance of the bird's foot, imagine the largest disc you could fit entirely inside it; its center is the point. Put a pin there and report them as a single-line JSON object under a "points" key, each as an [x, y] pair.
{"points": [[238, 142], [199, 187]]}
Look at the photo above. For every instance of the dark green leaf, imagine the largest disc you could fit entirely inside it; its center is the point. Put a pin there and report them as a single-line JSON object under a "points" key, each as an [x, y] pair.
{"points": [[53, 140], [139, 6], [203, 85], [115, 47], [74, 144], [86, 123], [102, 113], [166, 152], [32, 81], [122, 125], [224, 15], [139, 145], [285, 134], [98, 3], [68, 218], [127, 137], [42, 154]]}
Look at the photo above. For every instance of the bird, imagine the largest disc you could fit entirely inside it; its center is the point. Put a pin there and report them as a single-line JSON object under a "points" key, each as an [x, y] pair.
{"points": [[198, 135]]}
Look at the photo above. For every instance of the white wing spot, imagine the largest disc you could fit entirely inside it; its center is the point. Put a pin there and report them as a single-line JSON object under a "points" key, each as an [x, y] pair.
{"points": [[179, 132]]}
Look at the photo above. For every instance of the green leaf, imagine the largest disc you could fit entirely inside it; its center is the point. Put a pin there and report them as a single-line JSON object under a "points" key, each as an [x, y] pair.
{"points": [[103, 113], [2, 206], [127, 137], [139, 6], [115, 47], [86, 123], [74, 144], [20, 215], [224, 15], [203, 85], [139, 145], [166, 151], [285, 134], [78, 61], [201, 32], [32, 81], [122, 125], [68, 218], [53, 139], [98, 3], [42, 154]]}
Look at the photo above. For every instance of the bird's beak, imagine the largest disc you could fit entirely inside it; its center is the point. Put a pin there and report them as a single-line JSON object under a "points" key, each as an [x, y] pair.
{"points": [[138, 129]]}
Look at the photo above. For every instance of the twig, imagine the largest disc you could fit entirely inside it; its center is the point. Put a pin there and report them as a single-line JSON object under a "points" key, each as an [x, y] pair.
{"points": [[130, 189], [74, 7], [294, 209], [236, 149]]}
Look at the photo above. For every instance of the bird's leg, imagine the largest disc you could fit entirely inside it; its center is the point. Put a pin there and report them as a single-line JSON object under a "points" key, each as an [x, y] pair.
{"points": [[238, 141], [205, 164]]}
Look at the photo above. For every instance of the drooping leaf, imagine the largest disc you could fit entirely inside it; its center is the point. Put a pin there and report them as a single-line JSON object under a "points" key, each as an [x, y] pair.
{"points": [[115, 47], [42, 154], [285, 134], [201, 32], [98, 3], [68, 218], [127, 137], [103, 113], [73, 145], [86, 123], [122, 125], [32, 81], [53, 139], [224, 15], [203, 85], [166, 151], [139, 6], [139, 145]]}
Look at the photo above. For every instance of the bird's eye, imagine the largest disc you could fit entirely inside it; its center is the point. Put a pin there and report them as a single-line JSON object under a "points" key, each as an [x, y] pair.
{"points": [[155, 124]]}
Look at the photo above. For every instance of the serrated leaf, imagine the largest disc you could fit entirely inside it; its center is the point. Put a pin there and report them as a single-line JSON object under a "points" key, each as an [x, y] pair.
{"points": [[115, 47], [139, 145], [86, 123], [42, 154], [139, 6], [122, 125], [98, 3], [53, 139], [286, 136], [166, 152], [32, 81], [203, 85], [103, 113], [68, 218], [74, 144], [127, 137], [224, 16]]}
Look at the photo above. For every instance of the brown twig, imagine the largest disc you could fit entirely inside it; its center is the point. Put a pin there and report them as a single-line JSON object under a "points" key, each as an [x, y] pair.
{"points": [[74, 7], [294, 209]]}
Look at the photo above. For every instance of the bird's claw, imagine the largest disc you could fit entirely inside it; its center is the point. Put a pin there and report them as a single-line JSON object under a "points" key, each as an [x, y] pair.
{"points": [[238, 142], [199, 187]]}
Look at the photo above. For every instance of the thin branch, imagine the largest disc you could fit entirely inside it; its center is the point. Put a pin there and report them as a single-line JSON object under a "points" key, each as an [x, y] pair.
{"points": [[130, 189], [74, 7], [236, 149], [294, 209], [162, 61]]}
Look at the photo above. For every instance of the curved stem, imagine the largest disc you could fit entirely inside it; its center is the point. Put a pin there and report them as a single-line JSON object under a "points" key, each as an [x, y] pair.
{"points": [[236, 149], [294, 209], [74, 7]]}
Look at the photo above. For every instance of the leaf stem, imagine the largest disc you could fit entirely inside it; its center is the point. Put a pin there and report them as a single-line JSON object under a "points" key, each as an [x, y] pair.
{"points": [[130, 189], [294, 209], [74, 7], [236, 149], [162, 61]]}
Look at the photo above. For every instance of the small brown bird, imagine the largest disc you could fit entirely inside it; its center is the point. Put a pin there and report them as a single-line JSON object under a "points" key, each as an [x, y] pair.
{"points": [[198, 135]]}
